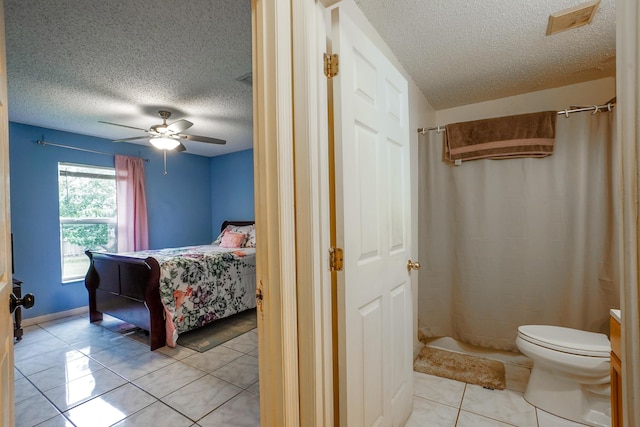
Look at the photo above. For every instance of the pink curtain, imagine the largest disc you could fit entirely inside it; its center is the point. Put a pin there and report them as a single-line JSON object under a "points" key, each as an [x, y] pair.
{"points": [[133, 230]]}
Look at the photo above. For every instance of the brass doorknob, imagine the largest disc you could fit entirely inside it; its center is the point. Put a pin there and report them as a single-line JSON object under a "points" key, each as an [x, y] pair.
{"points": [[412, 265]]}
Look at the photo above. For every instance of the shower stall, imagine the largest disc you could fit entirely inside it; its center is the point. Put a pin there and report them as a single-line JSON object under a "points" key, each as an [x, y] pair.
{"points": [[506, 243]]}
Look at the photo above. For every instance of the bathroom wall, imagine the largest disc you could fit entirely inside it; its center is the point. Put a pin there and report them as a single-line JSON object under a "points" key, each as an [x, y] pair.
{"points": [[421, 114], [587, 93]]}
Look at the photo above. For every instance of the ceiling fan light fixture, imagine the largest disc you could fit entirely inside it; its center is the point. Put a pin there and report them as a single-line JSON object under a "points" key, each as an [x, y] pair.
{"points": [[164, 143], [167, 136]]}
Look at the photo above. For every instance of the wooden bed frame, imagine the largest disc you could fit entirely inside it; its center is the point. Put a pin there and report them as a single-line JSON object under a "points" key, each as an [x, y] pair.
{"points": [[128, 289]]}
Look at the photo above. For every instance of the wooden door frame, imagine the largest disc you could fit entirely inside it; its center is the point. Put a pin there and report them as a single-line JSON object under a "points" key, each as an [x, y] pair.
{"points": [[291, 199], [312, 195], [291, 159], [274, 202], [628, 136]]}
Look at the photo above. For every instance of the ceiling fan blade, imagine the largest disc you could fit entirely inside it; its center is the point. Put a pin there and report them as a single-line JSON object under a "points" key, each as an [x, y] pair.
{"points": [[124, 126], [203, 139], [131, 139], [181, 147], [179, 126]]}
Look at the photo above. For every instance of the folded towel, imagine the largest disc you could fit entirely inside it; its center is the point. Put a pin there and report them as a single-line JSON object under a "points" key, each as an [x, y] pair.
{"points": [[524, 135]]}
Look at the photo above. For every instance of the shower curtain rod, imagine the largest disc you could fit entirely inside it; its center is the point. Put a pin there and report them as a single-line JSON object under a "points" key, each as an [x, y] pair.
{"points": [[45, 143], [573, 109]]}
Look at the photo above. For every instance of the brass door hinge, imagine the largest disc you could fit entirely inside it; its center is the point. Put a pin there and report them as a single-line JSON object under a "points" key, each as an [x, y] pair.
{"points": [[330, 65], [335, 259]]}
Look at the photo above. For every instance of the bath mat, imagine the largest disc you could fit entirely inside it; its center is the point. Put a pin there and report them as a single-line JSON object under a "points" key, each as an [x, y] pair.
{"points": [[462, 367], [218, 332]]}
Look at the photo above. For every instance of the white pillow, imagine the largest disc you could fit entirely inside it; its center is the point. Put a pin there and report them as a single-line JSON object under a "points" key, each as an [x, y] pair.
{"points": [[251, 238]]}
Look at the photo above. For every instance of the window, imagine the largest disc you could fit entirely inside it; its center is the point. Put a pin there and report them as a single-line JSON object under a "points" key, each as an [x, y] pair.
{"points": [[88, 215]]}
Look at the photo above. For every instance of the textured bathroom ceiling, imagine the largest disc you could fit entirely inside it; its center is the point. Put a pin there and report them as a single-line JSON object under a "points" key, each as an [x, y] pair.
{"points": [[72, 63], [460, 52]]}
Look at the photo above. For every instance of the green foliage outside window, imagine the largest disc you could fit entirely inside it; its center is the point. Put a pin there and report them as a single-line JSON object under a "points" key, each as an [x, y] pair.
{"points": [[94, 236], [85, 194]]}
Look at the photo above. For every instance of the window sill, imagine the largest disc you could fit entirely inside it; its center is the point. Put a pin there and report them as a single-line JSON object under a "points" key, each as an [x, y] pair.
{"points": [[73, 280]]}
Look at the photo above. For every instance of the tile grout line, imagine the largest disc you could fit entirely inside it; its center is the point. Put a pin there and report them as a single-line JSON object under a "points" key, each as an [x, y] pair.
{"points": [[48, 400], [106, 366]]}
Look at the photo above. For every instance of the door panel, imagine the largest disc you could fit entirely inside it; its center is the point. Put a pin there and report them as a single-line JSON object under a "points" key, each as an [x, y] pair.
{"points": [[400, 317], [397, 211], [372, 361], [371, 137], [367, 206]]}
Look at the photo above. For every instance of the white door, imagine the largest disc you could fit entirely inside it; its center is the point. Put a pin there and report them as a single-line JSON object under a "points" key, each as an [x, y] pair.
{"points": [[6, 324], [375, 330]]}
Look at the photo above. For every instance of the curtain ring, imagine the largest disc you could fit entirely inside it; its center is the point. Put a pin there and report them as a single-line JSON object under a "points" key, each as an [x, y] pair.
{"points": [[596, 110], [438, 129], [566, 113], [609, 106]]}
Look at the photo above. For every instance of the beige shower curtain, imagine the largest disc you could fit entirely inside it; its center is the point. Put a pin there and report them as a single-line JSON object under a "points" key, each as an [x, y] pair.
{"points": [[524, 241]]}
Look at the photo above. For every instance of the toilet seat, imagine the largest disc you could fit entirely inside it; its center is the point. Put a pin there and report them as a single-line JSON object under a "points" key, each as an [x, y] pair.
{"points": [[567, 340]]}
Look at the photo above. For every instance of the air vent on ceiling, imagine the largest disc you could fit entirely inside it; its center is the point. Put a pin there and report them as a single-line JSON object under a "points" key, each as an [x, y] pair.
{"points": [[572, 18]]}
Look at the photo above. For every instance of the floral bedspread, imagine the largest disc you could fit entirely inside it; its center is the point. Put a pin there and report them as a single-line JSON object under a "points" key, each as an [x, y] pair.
{"points": [[199, 284]]}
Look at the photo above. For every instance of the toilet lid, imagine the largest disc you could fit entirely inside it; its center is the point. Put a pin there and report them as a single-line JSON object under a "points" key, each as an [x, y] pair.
{"points": [[567, 340]]}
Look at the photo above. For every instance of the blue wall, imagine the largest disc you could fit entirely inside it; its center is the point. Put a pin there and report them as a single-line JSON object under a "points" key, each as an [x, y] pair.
{"points": [[232, 188], [179, 205]]}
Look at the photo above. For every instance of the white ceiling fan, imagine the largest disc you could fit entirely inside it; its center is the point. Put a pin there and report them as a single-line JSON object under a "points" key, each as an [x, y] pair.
{"points": [[167, 136]]}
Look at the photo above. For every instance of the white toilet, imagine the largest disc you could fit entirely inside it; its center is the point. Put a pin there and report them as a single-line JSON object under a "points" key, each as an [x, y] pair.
{"points": [[570, 375]]}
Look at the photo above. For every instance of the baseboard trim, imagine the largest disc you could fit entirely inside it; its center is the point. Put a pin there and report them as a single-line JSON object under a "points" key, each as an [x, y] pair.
{"points": [[55, 316]]}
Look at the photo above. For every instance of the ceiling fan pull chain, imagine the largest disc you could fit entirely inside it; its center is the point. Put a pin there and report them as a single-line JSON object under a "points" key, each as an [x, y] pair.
{"points": [[164, 153]]}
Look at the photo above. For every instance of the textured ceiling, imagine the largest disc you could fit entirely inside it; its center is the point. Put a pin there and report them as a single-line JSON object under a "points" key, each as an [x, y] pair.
{"points": [[461, 52], [72, 63]]}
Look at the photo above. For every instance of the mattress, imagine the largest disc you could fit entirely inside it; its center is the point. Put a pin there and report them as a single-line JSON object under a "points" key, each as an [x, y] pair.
{"points": [[200, 284]]}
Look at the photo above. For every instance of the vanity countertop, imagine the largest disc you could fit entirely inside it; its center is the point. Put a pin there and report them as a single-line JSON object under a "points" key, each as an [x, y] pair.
{"points": [[615, 313]]}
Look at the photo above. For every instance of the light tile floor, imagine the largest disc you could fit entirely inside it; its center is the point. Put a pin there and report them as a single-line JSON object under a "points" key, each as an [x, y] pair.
{"points": [[70, 372], [440, 402]]}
